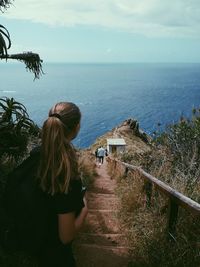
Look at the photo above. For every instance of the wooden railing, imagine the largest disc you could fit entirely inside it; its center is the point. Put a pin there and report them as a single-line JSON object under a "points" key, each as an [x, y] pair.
{"points": [[176, 199]]}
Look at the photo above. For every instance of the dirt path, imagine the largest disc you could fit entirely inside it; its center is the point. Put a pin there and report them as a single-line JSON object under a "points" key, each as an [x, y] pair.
{"points": [[101, 242]]}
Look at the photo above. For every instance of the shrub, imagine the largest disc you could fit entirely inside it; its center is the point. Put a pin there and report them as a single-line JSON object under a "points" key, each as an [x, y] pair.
{"points": [[183, 140], [175, 156], [175, 159], [15, 128], [146, 228], [87, 167]]}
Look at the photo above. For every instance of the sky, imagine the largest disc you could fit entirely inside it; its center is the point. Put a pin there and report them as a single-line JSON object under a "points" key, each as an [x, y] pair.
{"points": [[106, 31]]}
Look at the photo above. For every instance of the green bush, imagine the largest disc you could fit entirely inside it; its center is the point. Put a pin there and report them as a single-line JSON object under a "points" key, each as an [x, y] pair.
{"points": [[15, 128], [183, 140]]}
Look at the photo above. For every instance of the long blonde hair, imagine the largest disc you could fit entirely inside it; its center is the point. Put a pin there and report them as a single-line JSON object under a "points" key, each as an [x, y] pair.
{"points": [[58, 163]]}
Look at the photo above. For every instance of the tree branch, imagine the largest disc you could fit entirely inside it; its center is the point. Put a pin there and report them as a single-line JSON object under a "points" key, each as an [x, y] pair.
{"points": [[31, 60], [4, 4]]}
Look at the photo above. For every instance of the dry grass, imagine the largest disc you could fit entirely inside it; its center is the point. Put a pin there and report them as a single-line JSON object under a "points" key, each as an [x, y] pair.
{"points": [[147, 227], [87, 167]]}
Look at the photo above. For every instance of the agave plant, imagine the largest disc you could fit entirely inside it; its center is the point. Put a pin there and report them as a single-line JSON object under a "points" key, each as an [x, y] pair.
{"points": [[15, 128]]}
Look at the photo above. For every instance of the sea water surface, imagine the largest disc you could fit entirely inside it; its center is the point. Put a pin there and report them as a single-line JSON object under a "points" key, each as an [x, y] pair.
{"points": [[107, 94]]}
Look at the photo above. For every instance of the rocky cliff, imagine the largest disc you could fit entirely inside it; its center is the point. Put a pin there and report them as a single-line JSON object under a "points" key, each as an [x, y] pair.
{"points": [[137, 141]]}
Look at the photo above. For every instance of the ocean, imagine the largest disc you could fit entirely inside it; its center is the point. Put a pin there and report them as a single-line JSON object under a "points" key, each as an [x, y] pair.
{"points": [[107, 94]]}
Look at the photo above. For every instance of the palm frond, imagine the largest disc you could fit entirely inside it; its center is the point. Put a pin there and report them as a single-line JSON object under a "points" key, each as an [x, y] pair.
{"points": [[4, 36], [32, 61], [4, 4]]}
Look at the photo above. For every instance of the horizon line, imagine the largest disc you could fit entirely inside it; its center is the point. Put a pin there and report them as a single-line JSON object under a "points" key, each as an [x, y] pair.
{"points": [[99, 62]]}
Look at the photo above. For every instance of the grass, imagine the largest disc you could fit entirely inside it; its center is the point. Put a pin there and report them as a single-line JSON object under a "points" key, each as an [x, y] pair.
{"points": [[87, 167], [175, 159], [147, 228]]}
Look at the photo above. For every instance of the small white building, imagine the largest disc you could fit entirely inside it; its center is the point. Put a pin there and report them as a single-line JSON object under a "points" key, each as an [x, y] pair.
{"points": [[116, 145]]}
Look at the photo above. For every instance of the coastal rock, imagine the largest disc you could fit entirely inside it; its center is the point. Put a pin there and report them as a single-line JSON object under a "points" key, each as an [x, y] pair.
{"points": [[134, 125], [137, 141]]}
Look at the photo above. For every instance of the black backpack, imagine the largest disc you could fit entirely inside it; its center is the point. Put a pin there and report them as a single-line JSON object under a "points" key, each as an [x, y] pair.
{"points": [[24, 221]]}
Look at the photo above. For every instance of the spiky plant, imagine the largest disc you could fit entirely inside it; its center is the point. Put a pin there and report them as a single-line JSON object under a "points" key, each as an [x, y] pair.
{"points": [[4, 4], [31, 60], [15, 128], [4, 34]]}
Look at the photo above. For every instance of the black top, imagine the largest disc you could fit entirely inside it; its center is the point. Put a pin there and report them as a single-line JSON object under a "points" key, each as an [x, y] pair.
{"points": [[36, 212], [60, 203]]}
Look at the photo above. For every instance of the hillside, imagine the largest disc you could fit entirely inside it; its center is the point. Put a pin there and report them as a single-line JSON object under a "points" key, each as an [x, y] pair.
{"points": [[137, 142]]}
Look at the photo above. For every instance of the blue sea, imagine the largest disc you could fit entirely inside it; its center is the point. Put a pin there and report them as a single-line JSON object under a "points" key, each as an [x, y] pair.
{"points": [[107, 94]]}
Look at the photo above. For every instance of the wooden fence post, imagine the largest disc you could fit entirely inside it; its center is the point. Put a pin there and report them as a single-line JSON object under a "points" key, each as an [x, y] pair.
{"points": [[176, 199], [126, 172], [113, 168], [148, 190], [172, 219]]}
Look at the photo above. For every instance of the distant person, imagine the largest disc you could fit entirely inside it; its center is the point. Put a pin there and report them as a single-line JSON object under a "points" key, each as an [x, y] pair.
{"points": [[96, 155], [106, 152], [101, 154], [60, 187]]}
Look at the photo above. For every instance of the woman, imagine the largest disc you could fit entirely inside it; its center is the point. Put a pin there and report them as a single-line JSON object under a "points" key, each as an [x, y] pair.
{"points": [[43, 201], [59, 179]]}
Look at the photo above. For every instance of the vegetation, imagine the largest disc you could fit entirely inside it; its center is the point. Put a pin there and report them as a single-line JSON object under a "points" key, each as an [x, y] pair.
{"points": [[16, 131], [87, 167], [147, 228], [4, 4], [174, 158], [31, 60], [16, 128]]}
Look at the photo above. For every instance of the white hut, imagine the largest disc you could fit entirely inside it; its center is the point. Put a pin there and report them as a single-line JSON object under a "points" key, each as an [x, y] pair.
{"points": [[116, 145]]}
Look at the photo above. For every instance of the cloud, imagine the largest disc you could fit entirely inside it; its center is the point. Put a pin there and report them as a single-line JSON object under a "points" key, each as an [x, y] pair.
{"points": [[157, 18]]}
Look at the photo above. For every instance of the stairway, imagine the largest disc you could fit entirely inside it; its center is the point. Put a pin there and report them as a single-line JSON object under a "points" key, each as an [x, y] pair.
{"points": [[101, 242]]}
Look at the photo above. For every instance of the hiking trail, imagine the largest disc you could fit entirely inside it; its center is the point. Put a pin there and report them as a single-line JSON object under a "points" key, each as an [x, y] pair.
{"points": [[101, 241]]}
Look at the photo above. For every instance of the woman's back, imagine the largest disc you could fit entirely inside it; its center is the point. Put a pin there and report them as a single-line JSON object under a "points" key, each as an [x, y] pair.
{"points": [[48, 205]]}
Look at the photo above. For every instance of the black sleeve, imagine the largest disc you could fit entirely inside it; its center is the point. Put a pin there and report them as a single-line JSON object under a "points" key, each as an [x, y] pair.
{"points": [[70, 202]]}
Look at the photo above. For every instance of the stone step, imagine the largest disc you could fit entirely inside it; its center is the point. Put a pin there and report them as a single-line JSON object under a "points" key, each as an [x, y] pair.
{"points": [[101, 222], [104, 187], [107, 182], [105, 178], [102, 190], [101, 242], [102, 239], [101, 256], [102, 195], [102, 201]]}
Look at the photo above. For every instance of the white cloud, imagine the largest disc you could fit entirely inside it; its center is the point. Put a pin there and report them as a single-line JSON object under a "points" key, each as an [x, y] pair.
{"points": [[147, 17]]}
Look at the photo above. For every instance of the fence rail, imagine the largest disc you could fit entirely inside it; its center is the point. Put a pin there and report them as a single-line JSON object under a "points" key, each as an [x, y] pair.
{"points": [[176, 199]]}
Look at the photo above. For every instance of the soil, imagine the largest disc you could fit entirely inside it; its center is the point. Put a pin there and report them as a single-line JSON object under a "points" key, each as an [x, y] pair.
{"points": [[101, 241]]}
